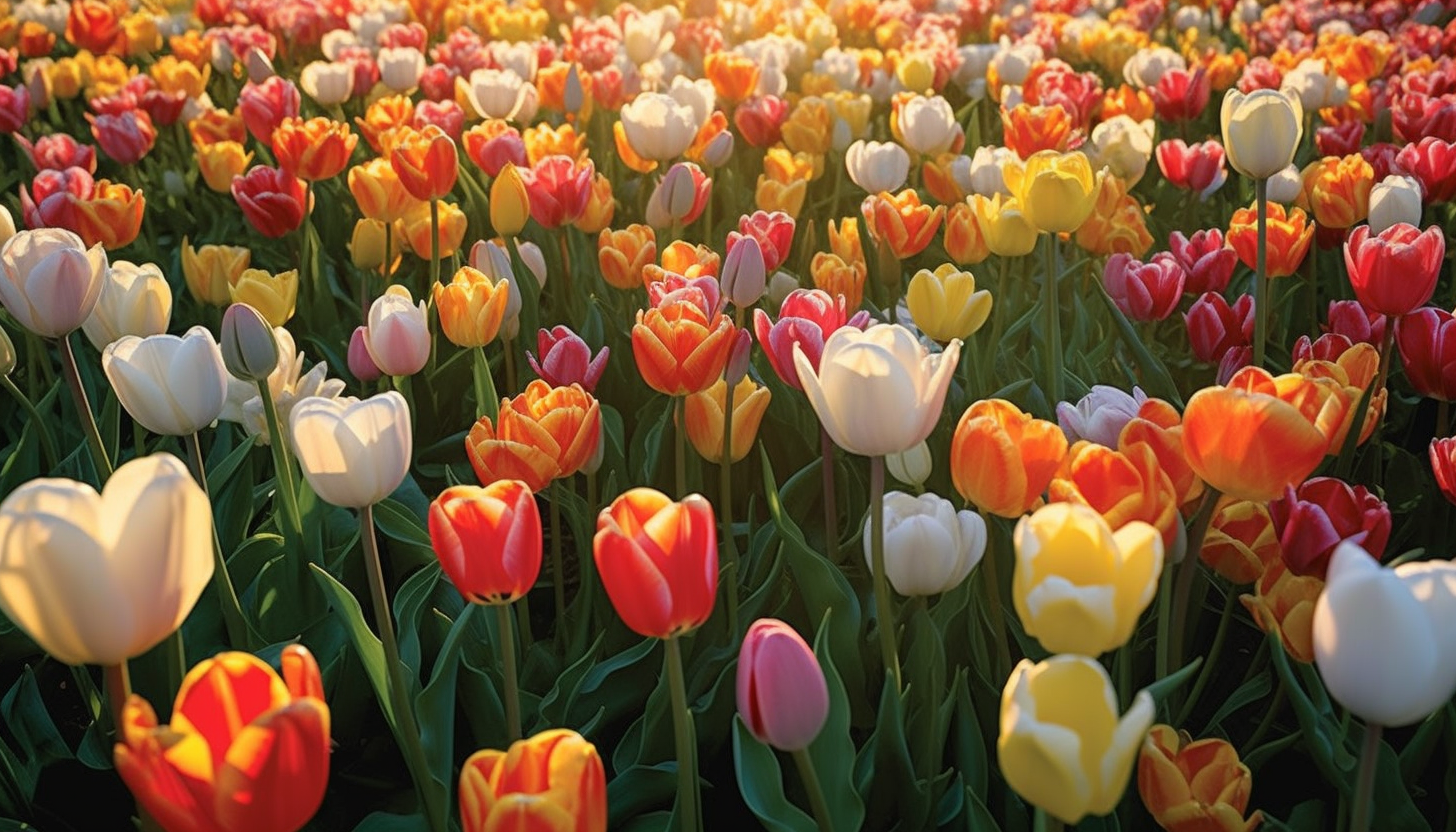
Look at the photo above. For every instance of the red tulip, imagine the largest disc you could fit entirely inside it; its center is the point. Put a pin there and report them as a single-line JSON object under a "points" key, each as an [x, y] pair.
{"points": [[1197, 167], [560, 188], [446, 115], [51, 200], [1180, 94], [1443, 465], [773, 231], [760, 118], [807, 318], [58, 151], [1208, 262], [1234, 360], [782, 696], [565, 359], [1215, 327], [1415, 116], [14, 108], [1382, 156], [1328, 347], [492, 144], [1144, 291], [1395, 271], [1433, 162], [1341, 139], [1427, 340], [271, 199], [426, 163], [658, 561], [126, 137], [1360, 325], [1320, 515], [264, 106], [488, 540]]}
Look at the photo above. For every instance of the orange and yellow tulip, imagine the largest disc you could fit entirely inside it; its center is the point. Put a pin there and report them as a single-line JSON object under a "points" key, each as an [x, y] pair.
{"points": [[1283, 604], [542, 434], [1290, 234], [472, 307], [1241, 541], [313, 150], [622, 255], [1337, 190], [1192, 786], [426, 162], [488, 540], [219, 162], [658, 561], [1121, 486], [681, 349], [703, 413], [901, 222], [1002, 460], [378, 192], [552, 782]]}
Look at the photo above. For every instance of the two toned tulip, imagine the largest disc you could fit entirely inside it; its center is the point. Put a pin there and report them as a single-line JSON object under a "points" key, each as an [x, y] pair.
{"points": [[1194, 786], [552, 781]]}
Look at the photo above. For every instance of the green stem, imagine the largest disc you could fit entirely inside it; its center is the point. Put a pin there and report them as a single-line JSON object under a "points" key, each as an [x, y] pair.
{"points": [[1186, 571], [385, 269], [407, 729], [683, 735], [558, 571], [508, 671], [810, 777], [1387, 347], [1206, 672], [117, 679], [1365, 778], [725, 512], [1053, 344], [1261, 283], [283, 467], [990, 578], [680, 459], [508, 347], [1000, 310], [434, 244], [831, 508], [306, 271], [1161, 660], [883, 608], [42, 427], [487, 403], [1043, 822], [83, 409], [232, 612]]}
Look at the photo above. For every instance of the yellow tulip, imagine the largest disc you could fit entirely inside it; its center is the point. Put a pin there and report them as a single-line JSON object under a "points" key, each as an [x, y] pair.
{"points": [[945, 304], [1062, 746], [472, 307], [275, 296], [510, 205], [219, 162], [1007, 231], [366, 246], [1078, 586], [211, 270], [703, 413], [1056, 190]]}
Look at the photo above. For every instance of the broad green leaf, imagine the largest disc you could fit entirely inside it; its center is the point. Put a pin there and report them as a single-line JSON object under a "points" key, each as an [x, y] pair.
{"points": [[366, 644], [760, 781], [833, 750]]}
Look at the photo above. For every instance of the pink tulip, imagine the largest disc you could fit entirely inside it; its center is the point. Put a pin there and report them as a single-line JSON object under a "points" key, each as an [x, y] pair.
{"points": [[565, 359], [782, 696]]}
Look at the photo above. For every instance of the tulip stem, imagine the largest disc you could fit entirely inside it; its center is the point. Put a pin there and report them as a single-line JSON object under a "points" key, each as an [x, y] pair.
{"points": [[434, 245], [1165, 620], [1053, 343], [406, 729], [680, 459], [990, 577], [508, 671], [232, 611], [1365, 778], [287, 493], [883, 609], [43, 428], [558, 571], [1043, 822], [725, 511], [1387, 347], [117, 679], [1211, 661], [384, 269], [487, 403], [831, 509], [683, 734], [1178, 621], [1261, 284], [816, 791], [307, 274], [83, 409]]}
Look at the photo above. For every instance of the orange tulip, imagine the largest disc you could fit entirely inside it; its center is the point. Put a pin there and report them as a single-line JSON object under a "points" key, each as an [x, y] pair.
{"points": [[658, 561], [1194, 786], [1290, 234], [1352, 373], [1118, 224], [940, 180], [679, 348], [1002, 459], [1127, 101], [1283, 603], [1158, 427], [413, 229], [217, 126], [552, 782], [95, 25], [313, 150], [688, 260], [378, 192], [734, 76], [901, 222], [488, 540], [703, 413], [426, 163], [1030, 128], [472, 307], [601, 206], [622, 255], [542, 434], [964, 242], [1241, 541], [1260, 434], [112, 216], [544, 140], [1337, 190], [1122, 487], [219, 162], [246, 750], [382, 116], [844, 280]]}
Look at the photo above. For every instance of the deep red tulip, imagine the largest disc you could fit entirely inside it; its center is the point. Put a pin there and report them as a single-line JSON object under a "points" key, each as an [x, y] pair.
{"points": [[271, 199], [264, 106], [1208, 262], [807, 318], [1341, 139], [1215, 327], [565, 359], [488, 540], [658, 561], [1395, 271], [1234, 360], [1415, 116], [437, 82], [1320, 515], [1197, 167], [1360, 325], [1144, 291], [1443, 465], [1381, 157], [1181, 94], [1427, 340]]}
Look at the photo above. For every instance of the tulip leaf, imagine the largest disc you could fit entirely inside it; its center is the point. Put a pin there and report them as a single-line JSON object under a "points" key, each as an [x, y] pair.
{"points": [[386, 822], [411, 602], [435, 709], [1251, 691], [1157, 379], [978, 817], [220, 474], [1164, 687], [366, 644], [1392, 800], [637, 789], [557, 704], [760, 781], [833, 749], [403, 526], [969, 745], [1417, 752], [1320, 745], [886, 772]]}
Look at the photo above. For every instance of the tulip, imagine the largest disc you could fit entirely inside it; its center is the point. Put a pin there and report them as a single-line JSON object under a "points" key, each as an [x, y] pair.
{"points": [[398, 334], [14, 108], [1123, 485], [1144, 291], [783, 698], [313, 150], [493, 144], [1394, 200], [1056, 191], [1337, 190], [1215, 327], [1002, 459], [211, 270], [426, 163], [1208, 262], [554, 780], [135, 300], [1283, 605], [945, 304], [1322, 514], [418, 227], [559, 189], [1261, 131], [360, 364], [1062, 746], [275, 296], [1289, 235], [1004, 225], [125, 137], [327, 82], [657, 127], [143, 372], [838, 278], [774, 231], [964, 241], [1198, 168], [744, 275], [1100, 415], [1241, 542], [679, 347], [862, 373], [1433, 162], [807, 318], [246, 749], [220, 163], [52, 282], [102, 578], [658, 561], [1029, 128], [472, 307], [622, 255], [1286, 186], [400, 68], [249, 349], [930, 548], [272, 199], [926, 125], [1427, 354], [1192, 786], [566, 359], [680, 197], [353, 453], [1394, 272], [510, 204], [704, 417], [877, 166], [541, 435], [488, 540], [1316, 85], [901, 222], [265, 105], [502, 94], [1373, 626]]}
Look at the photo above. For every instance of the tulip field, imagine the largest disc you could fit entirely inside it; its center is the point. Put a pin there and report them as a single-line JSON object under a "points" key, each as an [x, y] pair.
{"points": [[683, 415]]}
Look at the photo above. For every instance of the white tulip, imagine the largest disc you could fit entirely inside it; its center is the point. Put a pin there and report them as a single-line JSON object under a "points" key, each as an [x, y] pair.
{"points": [[1014, 63], [928, 125], [397, 333], [353, 453], [501, 93], [986, 170], [135, 300], [912, 467], [644, 37], [1317, 84], [326, 82], [400, 67], [658, 127], [1261, 131], [698, 94], [1285, 186], [335, 41], [1123, 146], [877, 166], [1147, 66], [1385, 639], [50, 280], [521, 58], [102, 578], [287, 385], [1100, 415], [929, 546], [1395, 199], [171, 386]]}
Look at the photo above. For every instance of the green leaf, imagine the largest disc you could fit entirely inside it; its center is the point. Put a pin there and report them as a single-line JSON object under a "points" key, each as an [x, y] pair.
{"points": [[978, 817], [366, 644], [385, 822], [1158, 381], [435, 708], [969, 744], [1393, 804], [1165, 686], [1321, 746], [760, 781], [639, 788], [833, 750], [1249, 692]]}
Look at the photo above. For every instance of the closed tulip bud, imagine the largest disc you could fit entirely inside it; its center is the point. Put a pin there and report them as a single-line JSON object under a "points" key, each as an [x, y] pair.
{"points": [[565, 359], [1286, 186], [658, 561], [61, 544], [398, 333], [1144, 291], [1056, 191], [719, 150], [1374, 627], [744, 274], [7, 353], [912, 467], [964, 241], [366, 245], [471, 307], [327, 82], [269, 734], [135, 300], [1395, 199], [400, 68], [1394, 272], [210, 270], [488, 540], [877, 166], [275, 296], [1442, 455], [360, 362], [249, 347], [51, 282], [1323, 513], [1007, 230], [945, 304], [554, 780], [543, 434], [704, 417], [1198, 167], [1062, 746], [222, 162], [353, 453], [1100, 415], [1261, 130], [1192, 786], [780, 286], [673, 199], [783, 698], [510, 205], [861, 373], [1001, 459], [144, 373], [930, 548]]}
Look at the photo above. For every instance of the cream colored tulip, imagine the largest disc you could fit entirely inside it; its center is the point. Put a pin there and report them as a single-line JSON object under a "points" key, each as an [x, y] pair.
{"points": [[1123, 146], [1396, 199], [1078, 586], [327, 82], [398, 333], [912, 467], [102, 578], [135, 300], [50, 281], [1062, 746], [927, 125], [1385, 639], [353, 453], [7, 225], [658, 127], [501, 93], [400, 67], [945, 303], [929, 546], [1261, 131], [171, 386], [879, 391], [1147, 66], [877, 166]]}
